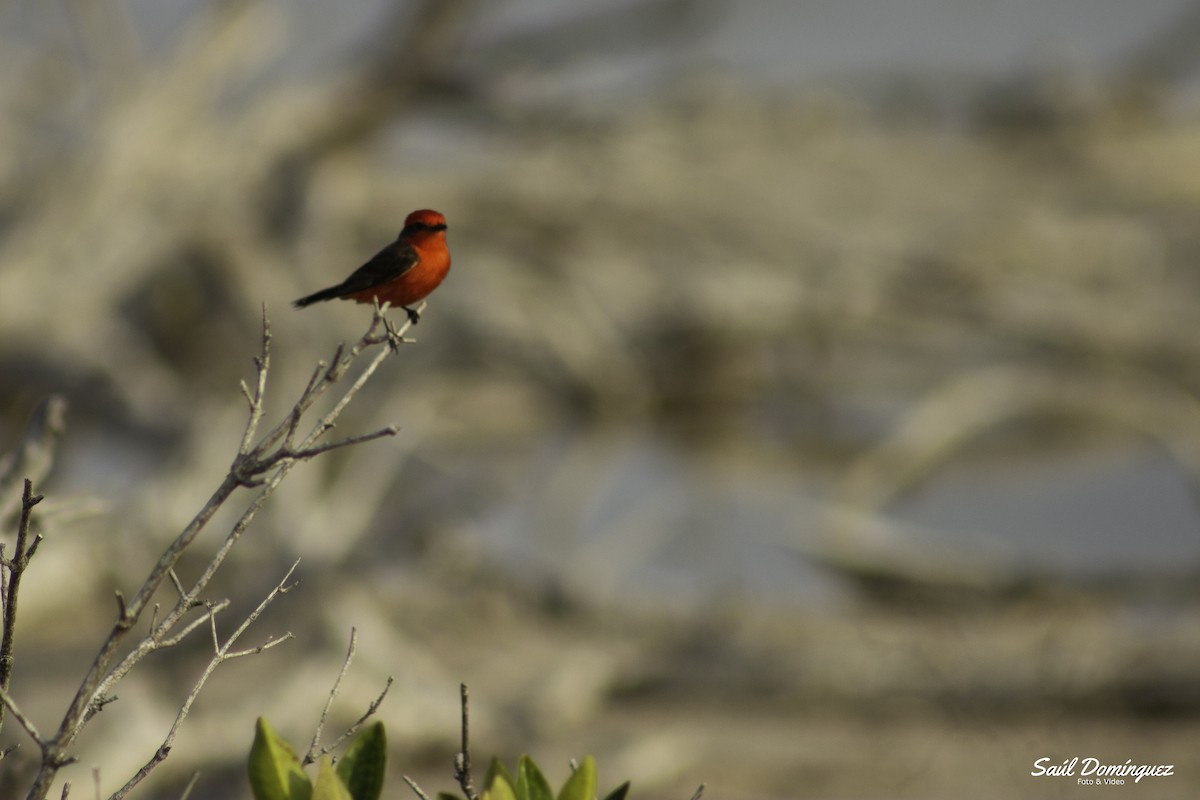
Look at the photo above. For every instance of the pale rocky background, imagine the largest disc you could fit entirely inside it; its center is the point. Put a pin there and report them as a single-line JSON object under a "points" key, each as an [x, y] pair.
{"points": [[811, 411]]}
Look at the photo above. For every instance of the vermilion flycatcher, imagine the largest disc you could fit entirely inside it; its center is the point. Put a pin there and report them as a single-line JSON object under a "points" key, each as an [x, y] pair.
{"points": [[403, 273]]}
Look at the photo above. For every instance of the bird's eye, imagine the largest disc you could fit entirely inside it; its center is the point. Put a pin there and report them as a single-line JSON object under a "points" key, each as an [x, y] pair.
{"points": [[425, 226]]}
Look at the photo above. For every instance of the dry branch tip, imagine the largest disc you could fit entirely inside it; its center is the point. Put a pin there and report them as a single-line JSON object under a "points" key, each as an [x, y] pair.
{"points": [[462, 761], [417, 789]]}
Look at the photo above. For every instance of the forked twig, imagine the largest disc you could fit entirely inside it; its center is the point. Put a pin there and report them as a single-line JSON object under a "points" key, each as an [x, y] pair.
{"points": [[222, 652], [315, 751], [312, 754]]}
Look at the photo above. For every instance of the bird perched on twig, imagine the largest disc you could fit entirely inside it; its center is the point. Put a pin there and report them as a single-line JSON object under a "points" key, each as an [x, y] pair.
{"points": [[403, 273]]}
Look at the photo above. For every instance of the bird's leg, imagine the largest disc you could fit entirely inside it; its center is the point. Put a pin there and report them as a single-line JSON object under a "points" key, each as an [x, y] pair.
{"points": [[414, 316]]}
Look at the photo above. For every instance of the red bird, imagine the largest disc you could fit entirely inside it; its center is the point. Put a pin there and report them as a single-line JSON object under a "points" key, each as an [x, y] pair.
{"points": [[403, 273]]}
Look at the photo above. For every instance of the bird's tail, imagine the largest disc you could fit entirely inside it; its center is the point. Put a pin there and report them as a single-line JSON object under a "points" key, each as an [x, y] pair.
{"points": [[316, 297]]}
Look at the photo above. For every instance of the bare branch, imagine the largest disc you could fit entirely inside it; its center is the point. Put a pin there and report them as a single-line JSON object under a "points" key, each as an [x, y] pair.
{"points": [[462, 763], [222, 653], [413, 785], [310, 452], [262, 466], [354, 727], [326, 422], [312, 754], [16, 569], [172, 641], [176, 582], [261, 648], [37, 540], [263, 364], [315, 751], [212, 624], [253, 651], [257, 461], [25, 722], [246, 393], [100, 704]]}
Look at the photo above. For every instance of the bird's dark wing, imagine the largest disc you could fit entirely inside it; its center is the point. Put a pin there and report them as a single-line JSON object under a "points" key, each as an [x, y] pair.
{"points": [[385, 266]]}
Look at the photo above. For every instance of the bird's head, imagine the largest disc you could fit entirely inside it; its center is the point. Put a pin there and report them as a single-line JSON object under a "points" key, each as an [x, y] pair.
{"points": [[424, 222]]}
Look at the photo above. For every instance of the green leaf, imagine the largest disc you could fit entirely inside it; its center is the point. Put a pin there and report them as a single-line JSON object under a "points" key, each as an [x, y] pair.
{"points": [[362, 767], [531, 783], [619, 792], [274, 770], [329, 785], [500, 789], [497, 768], [582, 783]]}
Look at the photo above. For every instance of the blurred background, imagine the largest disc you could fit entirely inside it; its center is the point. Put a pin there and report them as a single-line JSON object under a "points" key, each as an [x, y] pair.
{"points": [[812, 410]]}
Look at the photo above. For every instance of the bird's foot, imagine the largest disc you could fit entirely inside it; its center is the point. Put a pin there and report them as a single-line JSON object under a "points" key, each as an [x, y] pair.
{"points": [[394, 337], [414, 316]]}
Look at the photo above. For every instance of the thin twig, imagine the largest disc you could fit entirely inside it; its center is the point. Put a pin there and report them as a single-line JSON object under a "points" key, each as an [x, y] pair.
{"points": [[191, 784], [312, 754], [413, 785], [176, 582], [221, 654], [358, 723], [263, 364], [16, 569], [311, 452], [25, 722], [100, 704], [462, 763], [246, 394], [338, 366], [699, 792], [93, 684], [213, 608]]}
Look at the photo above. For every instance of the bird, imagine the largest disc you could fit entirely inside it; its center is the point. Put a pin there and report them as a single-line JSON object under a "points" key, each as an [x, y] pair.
{"points": [[403, 273]]}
